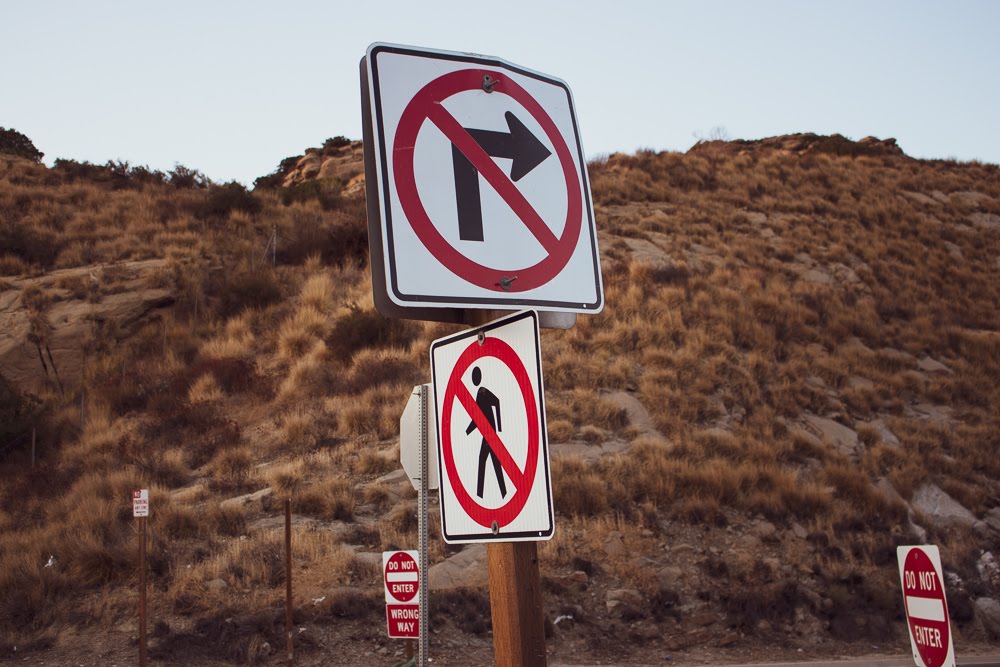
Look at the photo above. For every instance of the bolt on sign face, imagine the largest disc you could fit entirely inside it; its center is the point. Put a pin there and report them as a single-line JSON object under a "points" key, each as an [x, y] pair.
{"points": [[926, 606], [492, 449], [483, 198]]}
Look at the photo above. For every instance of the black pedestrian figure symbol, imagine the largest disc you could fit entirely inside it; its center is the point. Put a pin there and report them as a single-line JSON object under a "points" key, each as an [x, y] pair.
{"points": [[488, 403]]}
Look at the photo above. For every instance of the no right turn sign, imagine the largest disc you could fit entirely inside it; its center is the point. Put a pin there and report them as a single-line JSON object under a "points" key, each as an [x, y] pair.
{"points": [[483, 198]]}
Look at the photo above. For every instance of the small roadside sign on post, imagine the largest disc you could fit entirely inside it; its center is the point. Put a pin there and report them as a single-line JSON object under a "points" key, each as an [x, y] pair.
{"points": [[401, 575], [926, 606], [492, 443], [478, 193], [140, 503]]}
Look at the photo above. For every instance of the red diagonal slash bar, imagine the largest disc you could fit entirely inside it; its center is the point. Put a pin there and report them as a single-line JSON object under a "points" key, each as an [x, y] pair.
{"points": [[457, 134], [496, 444]]}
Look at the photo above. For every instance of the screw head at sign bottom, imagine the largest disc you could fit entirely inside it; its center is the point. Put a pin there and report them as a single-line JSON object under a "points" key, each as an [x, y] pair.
{"points": [[495, 527]]}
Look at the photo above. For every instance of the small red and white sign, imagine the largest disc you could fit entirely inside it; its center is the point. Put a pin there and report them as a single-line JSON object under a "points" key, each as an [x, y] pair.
{"points": [[926, 606], [140, 502], [401, 575], [492, 446], [483, 193]]}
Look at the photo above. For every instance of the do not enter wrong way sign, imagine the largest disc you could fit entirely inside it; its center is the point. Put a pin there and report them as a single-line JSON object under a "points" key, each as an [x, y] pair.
{"points": [[926, 606], [477, 185], [492, 449], [401, 575]]}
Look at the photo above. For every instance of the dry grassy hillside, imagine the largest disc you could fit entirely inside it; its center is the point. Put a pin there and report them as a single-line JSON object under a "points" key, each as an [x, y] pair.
{"points": [[796, 371]]}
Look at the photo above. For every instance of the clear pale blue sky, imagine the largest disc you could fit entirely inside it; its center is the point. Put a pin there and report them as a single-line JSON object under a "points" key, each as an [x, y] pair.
{"points": [[231, 88]]}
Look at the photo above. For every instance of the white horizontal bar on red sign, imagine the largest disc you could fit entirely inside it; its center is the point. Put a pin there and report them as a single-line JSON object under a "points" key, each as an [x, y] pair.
{"points": [[928, 609], [401, 576]]}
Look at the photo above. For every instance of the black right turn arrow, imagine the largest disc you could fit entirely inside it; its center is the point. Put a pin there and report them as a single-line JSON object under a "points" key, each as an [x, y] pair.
{"points": [[518, 145]]}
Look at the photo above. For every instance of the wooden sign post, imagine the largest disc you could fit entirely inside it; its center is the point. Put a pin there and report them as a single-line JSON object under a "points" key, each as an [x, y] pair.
{"points": [[515, 586], [516, 604], [140, 510]]}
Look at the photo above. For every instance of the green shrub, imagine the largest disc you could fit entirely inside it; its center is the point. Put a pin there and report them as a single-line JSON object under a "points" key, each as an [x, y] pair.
{"points": [[359, 329], [18, 415], [183, 178], [248, 290], [277, 177], [339, 239], [328, 197], [31, 244], [223, 199], [332, 146], [13, 142], [118, 174]]}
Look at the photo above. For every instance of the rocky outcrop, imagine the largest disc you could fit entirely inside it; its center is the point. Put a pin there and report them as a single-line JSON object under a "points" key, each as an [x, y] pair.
{"points": [[988, 611], [46, 322], [343, 162], [842, 438], [804, 143], [466, 569], [941, 509]]}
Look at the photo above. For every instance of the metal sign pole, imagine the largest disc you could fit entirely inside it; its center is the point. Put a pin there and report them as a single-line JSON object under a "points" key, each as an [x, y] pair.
{"points": [[422, 656], [142, 591], [288, 580]]}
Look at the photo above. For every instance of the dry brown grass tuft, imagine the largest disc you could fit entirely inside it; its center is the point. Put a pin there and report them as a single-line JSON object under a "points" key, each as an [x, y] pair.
{"points": [[286, 478], [376, 463], [297, 432], [577, 490], [328, 499], [319, 293], [205, 389], [310, 376], [302, 332], [374, 412], [232, 469], [236, 341]]}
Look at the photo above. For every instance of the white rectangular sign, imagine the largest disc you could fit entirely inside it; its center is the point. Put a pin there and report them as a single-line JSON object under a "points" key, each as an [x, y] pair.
{"points": [[140, 502], [401, 576], [492, 446], [478, 189]]}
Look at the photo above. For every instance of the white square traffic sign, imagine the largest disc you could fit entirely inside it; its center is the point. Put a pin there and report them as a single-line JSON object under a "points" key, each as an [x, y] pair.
{"points": [[492, 445], [478, 188]]}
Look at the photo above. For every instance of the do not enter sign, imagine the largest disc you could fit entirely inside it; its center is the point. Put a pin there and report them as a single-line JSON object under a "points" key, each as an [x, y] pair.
{"points": [[926, 607], [401, 575]]}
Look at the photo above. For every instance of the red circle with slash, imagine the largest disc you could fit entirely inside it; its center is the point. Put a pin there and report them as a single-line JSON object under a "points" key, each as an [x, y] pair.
{"points": [[456, 391], [427, 105]]}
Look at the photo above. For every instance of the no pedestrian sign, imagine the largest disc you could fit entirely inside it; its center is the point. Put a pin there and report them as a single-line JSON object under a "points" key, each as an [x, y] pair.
{"points": [[480, 185], [401, 575], [492, 446], [926, 606]]}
